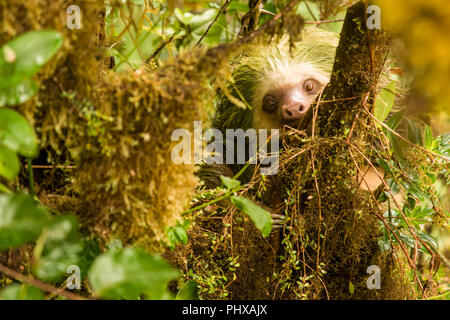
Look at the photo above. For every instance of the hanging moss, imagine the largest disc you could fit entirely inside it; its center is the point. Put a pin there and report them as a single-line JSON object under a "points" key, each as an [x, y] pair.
{"points": [[114, 129]]}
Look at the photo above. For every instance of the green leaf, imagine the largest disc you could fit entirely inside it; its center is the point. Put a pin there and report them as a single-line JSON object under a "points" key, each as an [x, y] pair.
{"points": [[384, 102], [230, 183], [392, 216], [351, 287], [415, 190], [177, 234], [203, 19], [384, 245], [114, 244], [260, 217], [305, 8], [88, 255], [184, 18], [18, 93], [429, 240], [395, 120], [32, 50], [4, 189], [238, 6], [9, 163], [215, 32], [189, 291], [428, 137], [443, 144], [21, 220], [413, 132], [129, 273], [16, 134], [21, 292], [398, 146], [62, 248]]}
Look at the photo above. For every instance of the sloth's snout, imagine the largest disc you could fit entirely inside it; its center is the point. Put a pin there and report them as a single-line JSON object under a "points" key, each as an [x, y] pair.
{"points": [[293, 111], [294, 106]]}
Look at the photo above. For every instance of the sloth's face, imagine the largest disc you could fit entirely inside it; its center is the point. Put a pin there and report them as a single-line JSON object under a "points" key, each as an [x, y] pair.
{"points": [[288, 104], [285, 92]]}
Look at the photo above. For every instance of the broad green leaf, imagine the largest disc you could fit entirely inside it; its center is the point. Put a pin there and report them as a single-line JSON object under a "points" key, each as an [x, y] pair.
{"points": [[62, 248], [395, 120], [129, 273], [16, 134], [9, 163], [384, 102], [21, 292], [177, 234], [229, 183], [21, 220], [90, 251], [189, 291], [184, 18], [203, 19], [261, 218], [32, 50], [215, 32], [18, 93]]}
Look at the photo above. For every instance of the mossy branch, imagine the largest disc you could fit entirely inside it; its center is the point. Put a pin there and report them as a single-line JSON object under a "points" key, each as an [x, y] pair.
{"points": [[359, 60]]}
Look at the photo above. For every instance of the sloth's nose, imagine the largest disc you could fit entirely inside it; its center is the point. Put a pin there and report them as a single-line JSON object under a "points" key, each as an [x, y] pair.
{"points": [[293, 111]]}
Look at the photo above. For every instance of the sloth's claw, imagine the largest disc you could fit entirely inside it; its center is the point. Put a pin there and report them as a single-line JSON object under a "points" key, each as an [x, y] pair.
{"points": [[278, 221]]}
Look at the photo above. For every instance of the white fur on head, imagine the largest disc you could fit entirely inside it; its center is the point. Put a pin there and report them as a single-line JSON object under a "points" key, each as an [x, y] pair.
{"points": [[312, 58], [279, 75]]}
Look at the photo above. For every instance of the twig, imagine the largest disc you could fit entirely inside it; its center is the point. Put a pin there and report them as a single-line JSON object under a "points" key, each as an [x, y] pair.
{"points": [[323, 21], [158, 50], [309, 10], [395, 201], [44, 286], [225, 4], [37, 166], [404, 139], [384, 221], [253, 34], [30, 176], [267, 12]]}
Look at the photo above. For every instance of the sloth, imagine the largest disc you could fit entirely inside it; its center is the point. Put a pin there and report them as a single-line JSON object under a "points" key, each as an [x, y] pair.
{"points": [[278, 82], [273, 86], [277, 85]]}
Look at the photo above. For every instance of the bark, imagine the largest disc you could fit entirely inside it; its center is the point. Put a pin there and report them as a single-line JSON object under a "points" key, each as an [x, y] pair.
{"points": [[359, 60]]}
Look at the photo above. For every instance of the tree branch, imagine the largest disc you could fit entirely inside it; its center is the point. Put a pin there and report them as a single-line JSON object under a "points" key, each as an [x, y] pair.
{"points": [[359, 60]]}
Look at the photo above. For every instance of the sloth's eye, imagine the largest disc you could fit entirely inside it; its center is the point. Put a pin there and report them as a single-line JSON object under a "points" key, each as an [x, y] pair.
{"points": [[309, 86], [270, 103]]}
